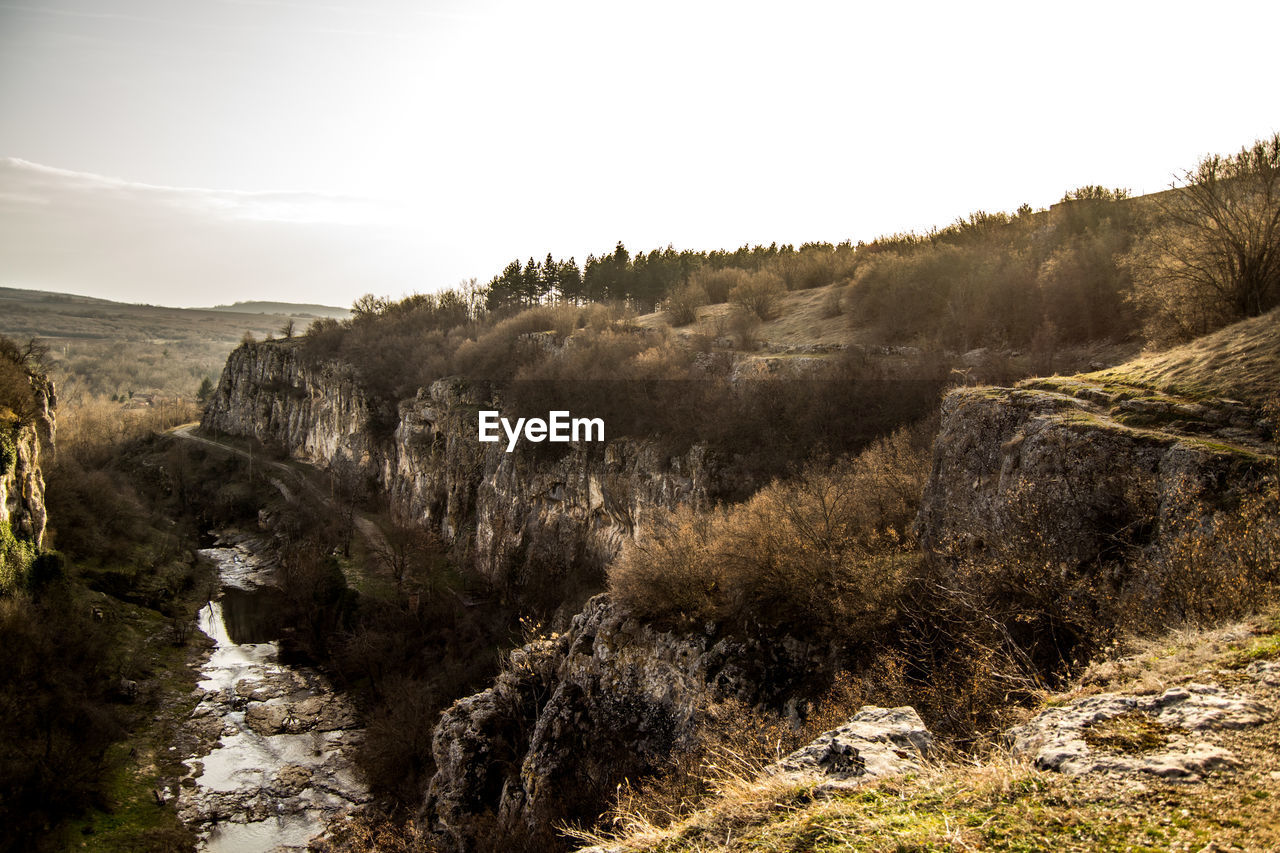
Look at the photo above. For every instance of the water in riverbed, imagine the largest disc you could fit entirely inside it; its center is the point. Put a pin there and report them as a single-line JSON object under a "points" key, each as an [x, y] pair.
{"points": [[279, 766]]}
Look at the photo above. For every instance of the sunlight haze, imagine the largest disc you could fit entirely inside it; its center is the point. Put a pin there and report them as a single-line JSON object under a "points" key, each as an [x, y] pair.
{"points": [[193, 153]]}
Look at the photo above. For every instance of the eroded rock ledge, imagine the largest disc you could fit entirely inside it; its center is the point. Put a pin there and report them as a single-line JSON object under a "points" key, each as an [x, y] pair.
{"points": [[24, 449], [1172, 735], [570, 717], [1073, 472]]}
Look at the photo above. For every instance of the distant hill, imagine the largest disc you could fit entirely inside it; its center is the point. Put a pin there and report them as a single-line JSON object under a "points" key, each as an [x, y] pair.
{"points": [[17, 294], [293, 309], [101, 347]]}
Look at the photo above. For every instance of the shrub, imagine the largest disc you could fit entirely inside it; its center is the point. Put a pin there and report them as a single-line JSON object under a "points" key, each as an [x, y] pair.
{"points": [[815, 265], [1221, 567], [833, 303], [760, 293], [717, 284], [681, 307], [396, 754], [499, 352], [1213, 256], [743, 325], [16, 556], [819, 554], [57, 675]]}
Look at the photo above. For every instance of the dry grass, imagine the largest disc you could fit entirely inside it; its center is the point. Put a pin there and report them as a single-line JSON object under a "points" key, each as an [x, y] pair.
{"points": [[1001, 805], [1241, 361], [804, 319]]}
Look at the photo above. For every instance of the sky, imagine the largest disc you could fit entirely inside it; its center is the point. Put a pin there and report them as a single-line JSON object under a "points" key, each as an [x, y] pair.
{"points": [[198, 152]]}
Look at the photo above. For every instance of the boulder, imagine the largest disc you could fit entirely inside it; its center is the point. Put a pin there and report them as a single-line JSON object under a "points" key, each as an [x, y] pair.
{"points": [[876, 742]]}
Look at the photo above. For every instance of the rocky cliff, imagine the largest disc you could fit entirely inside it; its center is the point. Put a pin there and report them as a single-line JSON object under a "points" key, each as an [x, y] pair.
{"points": [[571, 716], [1070, 472], [530, 514], [1078, 472], [25, 445]]}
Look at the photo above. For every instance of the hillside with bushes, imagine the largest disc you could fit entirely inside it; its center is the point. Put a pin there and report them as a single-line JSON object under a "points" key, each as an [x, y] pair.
{"points": [[882, 547], [793, 516]]}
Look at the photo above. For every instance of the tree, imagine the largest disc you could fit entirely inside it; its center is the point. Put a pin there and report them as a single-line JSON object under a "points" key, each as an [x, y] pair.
{"points": [[347, 487], [412, 555], [22, 368], [286, 331], [530, 282], [505, 289], [569, 281], [206, 390], [1213, 256], [368, 306]]}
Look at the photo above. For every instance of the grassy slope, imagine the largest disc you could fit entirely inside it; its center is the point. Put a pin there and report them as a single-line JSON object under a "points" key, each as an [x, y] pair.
{"points": [[1241, 361], [805, 319], [808, 318]]}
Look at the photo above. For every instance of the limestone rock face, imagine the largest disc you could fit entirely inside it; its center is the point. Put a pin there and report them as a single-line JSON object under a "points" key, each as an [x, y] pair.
{"points": [[317, 413], [1036, 473], [571, 717], [526, 516], [533, 511], [564, 723], [24, 449]]}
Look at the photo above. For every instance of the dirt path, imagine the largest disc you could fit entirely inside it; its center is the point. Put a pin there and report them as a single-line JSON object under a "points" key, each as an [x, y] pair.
{"points": [[301, 479]]}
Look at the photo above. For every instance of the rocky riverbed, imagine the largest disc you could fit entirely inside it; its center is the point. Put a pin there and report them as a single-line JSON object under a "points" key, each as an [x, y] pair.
{"points": [[275, 765]]}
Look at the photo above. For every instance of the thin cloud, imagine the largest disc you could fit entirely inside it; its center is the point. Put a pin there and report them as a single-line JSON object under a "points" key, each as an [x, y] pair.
{"points": [[29, 182], [81, 232]]}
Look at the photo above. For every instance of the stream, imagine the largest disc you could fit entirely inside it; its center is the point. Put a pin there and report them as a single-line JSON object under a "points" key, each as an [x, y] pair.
{"points": [[277, 766]]}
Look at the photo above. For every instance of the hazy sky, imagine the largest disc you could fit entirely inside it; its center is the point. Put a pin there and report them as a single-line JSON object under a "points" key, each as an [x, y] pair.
{"points": [[189, 152]]}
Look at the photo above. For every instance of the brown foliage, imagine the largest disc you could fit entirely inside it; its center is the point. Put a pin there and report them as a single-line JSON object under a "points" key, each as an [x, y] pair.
{"points": [[819, 554], [371, 832], [21, 370], [682, 305], [759, 293], [1213, 255], [718, 284]]}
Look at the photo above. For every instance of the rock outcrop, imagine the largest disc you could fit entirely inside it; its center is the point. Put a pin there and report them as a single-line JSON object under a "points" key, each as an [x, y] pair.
{"points": [[1170, 735], [876, 742], [572, 716], [566, 721], [25, 446], [1073, 473], [526, 516]]}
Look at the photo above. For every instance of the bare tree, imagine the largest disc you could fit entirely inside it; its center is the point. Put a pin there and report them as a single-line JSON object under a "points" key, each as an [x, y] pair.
{"points": [[21, 370], [412, 555], [347, 485], [1213, 255]]}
